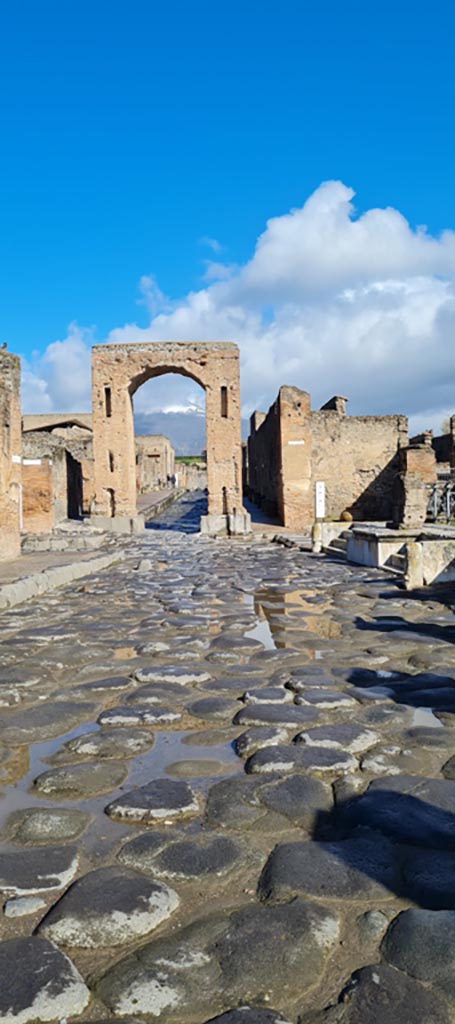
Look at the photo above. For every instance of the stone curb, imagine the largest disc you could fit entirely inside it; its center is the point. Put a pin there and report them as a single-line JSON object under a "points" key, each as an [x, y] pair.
{"points": [[48, 579]]}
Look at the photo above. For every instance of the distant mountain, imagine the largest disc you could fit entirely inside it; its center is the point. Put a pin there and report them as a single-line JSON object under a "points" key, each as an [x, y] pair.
{"points": [[186, 430]]}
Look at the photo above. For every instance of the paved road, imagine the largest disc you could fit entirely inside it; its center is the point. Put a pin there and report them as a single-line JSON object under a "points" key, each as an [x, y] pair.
{"points": [[228, 781]]}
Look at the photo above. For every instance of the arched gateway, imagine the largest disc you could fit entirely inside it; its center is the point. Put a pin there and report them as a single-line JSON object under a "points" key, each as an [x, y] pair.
{"points": [[117, 372]]}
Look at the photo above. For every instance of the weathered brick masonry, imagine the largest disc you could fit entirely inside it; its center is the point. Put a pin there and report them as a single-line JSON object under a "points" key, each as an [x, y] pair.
{"points": [[10, 455], [357, 458]]}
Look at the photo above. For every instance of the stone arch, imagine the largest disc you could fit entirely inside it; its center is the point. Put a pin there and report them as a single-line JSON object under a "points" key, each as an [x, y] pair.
{"points": [[117, 372]]}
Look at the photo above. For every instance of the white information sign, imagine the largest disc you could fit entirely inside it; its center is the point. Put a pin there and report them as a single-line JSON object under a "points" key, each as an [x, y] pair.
{"points": [[320, 499]]}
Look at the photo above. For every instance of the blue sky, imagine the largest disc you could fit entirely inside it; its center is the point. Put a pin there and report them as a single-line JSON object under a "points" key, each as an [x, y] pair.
{"points": [[132, 131]]}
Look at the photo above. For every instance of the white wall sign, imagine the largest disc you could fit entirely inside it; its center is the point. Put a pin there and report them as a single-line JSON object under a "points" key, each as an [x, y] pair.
{"points": [[320, 499], [296, 442]]}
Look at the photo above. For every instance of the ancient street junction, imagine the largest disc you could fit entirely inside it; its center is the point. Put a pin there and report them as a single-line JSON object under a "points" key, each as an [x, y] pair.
{"points": [[227, 763]]}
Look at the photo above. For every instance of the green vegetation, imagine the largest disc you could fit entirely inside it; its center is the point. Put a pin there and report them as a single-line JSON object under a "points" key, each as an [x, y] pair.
{"points": [[189, 460]]}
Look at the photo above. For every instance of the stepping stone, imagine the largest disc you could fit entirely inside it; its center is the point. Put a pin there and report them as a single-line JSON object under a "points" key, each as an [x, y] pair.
{"points": [[267, 695], [421, 943], [408, 809], [198, 857], [181, 676], [288, 715], [301, 799], [201, 970], [350, 869], [108, 743], [212, 708], [27, 872], [41, 826], [81, 780], [33, 725], [108, 907], [382, 995], [345, 736], [140, 852], [160, 799], [154, 714], [259, 737], [39, 983]]}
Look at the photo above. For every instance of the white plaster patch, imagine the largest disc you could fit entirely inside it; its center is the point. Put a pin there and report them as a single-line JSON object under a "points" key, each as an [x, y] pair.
{"points": [[326, 932], [116, 927], [147, 996], [48, 1006]]}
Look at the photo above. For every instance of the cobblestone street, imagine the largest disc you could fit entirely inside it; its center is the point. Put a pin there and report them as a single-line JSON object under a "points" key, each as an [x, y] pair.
{"points": [[228, 782]]}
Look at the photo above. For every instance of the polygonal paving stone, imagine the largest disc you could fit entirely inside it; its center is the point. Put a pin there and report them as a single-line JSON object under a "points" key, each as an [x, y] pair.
{"points": [[298, 757], [198, 857], [81, 780], [350, 869], [39, 983], [248, 1015], [172, 675], [407, 808], [109, 743], [234, 803], [259, 736], [212, 708], [42, 826], [158, 800], [140, 852], [267, 695], [108, 907], [25, 872], [343, 736], [421, 943], [276, 714], [382, 995], [325, 699], [301, 799], [429, 879], [44, 721], [201, 970], [153, 714]]}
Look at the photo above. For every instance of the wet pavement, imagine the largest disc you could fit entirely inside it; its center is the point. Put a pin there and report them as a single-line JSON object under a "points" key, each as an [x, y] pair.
{"points": [[227, 772]]}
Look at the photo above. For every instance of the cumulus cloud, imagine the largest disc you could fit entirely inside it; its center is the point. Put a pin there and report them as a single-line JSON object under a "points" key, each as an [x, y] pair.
{"points": [[329, 301], [59, 379]]}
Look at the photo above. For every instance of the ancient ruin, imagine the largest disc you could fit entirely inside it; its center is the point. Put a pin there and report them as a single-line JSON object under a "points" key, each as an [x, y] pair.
{"points": [[10, 455], [117, 372]]}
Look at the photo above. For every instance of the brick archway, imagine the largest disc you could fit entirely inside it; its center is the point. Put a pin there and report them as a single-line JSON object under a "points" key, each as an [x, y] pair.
{"points": [[117, 372]]}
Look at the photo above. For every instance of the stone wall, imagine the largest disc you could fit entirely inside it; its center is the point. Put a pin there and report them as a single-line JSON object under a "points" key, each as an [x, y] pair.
{"points": [[357, 457], [44, 492], [191, 476], [155, 461], [80, 467], [10, 455], [292, 448]]}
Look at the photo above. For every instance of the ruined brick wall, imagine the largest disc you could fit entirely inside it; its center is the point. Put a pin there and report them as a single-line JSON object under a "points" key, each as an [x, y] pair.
{"points": [[263, 459], [80, 475], [279, 459], [10, 455], [155, 461], [357, 457], [37, 495], [291, 449]]}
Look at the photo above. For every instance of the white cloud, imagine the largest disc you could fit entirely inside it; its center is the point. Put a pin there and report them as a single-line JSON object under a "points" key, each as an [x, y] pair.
{"points": [[59, 380], [331, 302], [212, 243]]}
